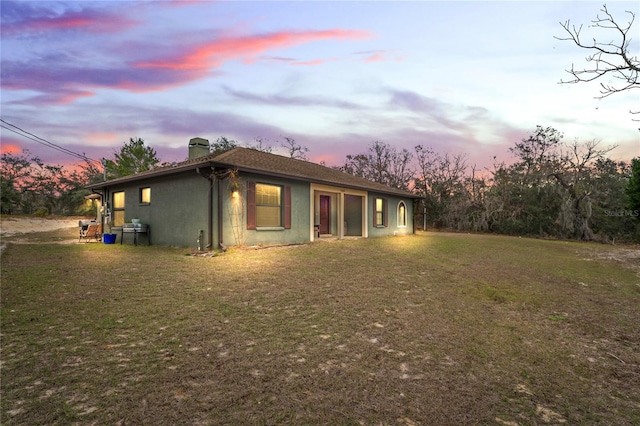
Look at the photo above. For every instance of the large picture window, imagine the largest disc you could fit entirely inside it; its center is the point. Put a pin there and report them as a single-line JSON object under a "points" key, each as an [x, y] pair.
{"points": [[268, 205], [118, 208]]}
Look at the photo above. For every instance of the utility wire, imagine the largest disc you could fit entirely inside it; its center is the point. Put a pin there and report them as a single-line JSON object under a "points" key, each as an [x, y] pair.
{"points": [[45, 142], [41, 141]]}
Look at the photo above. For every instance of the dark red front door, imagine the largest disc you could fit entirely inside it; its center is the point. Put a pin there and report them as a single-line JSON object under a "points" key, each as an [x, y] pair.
{"points": [[325, 214]]}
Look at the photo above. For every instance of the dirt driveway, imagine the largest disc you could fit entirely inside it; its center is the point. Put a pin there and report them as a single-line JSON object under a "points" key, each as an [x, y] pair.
{"points": [[12, 227], [24, 225]]}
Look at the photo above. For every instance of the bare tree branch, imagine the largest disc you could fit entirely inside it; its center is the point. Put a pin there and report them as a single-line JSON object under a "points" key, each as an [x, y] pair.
{"points": [[608, 60]]}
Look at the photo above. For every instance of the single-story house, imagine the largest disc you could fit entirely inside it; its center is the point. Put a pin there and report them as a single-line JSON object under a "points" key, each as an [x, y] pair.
{"points": [[248, 197]]}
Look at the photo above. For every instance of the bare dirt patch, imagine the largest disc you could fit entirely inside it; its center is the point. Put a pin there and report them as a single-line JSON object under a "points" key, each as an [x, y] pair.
{"points": [[12, 225], [627, 256], [33, 230]]}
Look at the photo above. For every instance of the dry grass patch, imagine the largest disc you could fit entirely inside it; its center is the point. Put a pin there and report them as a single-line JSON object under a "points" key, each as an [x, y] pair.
{"points": [[428, 329]]}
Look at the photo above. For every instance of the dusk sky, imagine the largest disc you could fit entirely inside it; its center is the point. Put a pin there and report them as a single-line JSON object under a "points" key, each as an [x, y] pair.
{"points": [[460, 77]]}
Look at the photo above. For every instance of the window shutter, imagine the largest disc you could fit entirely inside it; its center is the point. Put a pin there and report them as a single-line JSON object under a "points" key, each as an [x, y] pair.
{"points": [[287, 207], [251, 205], [385, 212], [375, 214]]}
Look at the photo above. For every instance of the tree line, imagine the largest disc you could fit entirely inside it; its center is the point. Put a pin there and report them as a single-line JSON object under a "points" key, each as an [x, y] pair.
{"points": [[29, 186], [551, 188]]}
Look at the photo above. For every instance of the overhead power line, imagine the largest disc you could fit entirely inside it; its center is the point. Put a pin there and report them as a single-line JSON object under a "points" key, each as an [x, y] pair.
{"points": [[28, 135]]}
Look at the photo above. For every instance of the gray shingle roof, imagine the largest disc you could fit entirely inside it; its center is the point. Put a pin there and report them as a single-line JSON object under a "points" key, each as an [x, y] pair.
{"points": [[263, 162], [254, 161]]}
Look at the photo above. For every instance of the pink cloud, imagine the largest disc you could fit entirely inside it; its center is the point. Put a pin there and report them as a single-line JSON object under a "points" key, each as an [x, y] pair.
{"points": [[215, 53], [8, 148], [292, 61], [100, 139], [328, 159], [314, 62], [58, 96], [379, 56], [159, 82], [60, 81], [376, 57], [180, 3], [71, 96]]}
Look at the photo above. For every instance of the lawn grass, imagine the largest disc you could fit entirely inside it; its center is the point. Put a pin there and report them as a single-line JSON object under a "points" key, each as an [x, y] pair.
{"points": [[425, 329]]}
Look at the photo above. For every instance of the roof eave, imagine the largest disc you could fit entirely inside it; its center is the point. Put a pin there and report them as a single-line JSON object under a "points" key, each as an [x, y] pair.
{"points": [[319, 181], [149, 175]]}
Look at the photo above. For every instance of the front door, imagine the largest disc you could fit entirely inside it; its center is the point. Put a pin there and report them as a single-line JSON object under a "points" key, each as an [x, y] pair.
{"points": [[325, 214]]}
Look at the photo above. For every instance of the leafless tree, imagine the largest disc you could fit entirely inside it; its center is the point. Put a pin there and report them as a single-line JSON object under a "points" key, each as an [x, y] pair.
{"points": [[609, 61], [442, 181], [261, 144], [293, 149], [383, 163]]}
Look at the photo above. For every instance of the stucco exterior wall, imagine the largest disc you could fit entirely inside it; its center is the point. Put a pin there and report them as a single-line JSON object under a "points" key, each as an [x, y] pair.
{"points": [[177, 212], [392, 227], [234, 213]]}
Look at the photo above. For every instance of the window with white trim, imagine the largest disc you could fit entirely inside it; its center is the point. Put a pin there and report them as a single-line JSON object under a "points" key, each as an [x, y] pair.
{"points": [[380, 212], [402, 215]]}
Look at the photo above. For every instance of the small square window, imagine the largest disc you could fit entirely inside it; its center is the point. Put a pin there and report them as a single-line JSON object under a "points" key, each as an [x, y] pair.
{"points": [[145, 195]]}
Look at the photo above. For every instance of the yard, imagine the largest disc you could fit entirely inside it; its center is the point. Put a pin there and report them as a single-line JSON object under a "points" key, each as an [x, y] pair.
{"points": [[437, 328]]}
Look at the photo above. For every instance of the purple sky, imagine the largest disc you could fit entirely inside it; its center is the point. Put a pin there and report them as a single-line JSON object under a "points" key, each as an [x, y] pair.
{"points": [[461, 77]]}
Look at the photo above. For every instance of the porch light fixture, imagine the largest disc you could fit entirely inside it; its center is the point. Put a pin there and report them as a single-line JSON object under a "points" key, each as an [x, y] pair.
{"points": [[235, 194]]}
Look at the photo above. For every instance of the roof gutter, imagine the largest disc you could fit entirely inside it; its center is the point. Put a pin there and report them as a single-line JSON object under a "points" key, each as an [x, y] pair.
{"points": [[150, 174]]}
